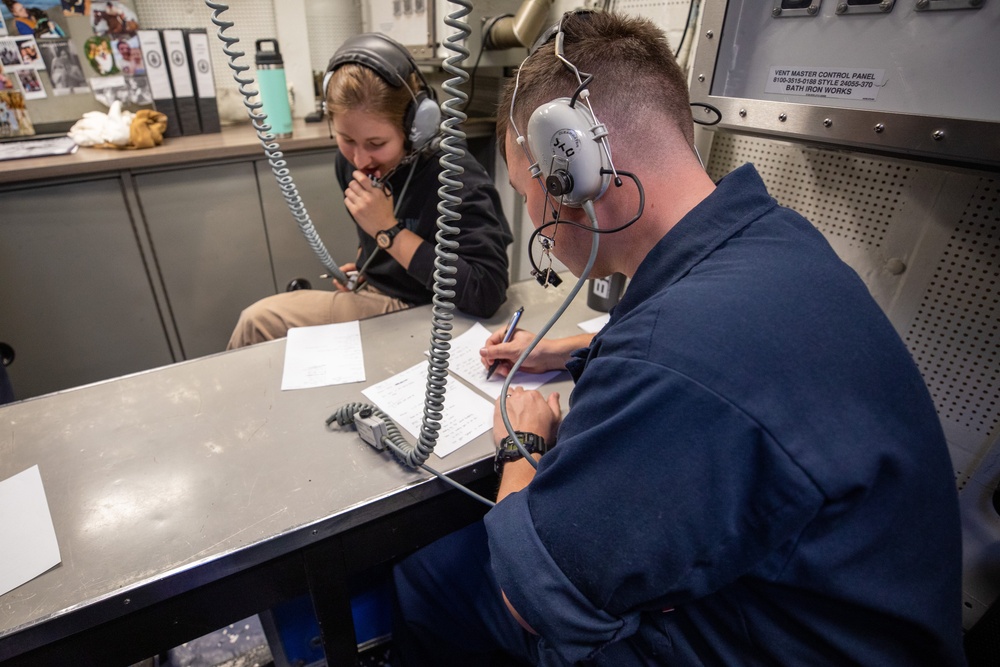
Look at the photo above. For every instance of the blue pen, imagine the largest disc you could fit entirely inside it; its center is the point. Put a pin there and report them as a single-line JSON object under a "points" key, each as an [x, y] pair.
{"points": [[506, 337]]}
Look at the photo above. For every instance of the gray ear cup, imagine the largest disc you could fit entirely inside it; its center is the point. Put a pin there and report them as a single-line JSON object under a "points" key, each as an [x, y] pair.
{"points": [[424, 120], [567, 143], [394, 64]]}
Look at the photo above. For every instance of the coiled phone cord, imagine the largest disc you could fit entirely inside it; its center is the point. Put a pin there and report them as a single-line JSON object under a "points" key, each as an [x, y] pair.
{"points": [[442, 317], [346, 414], [444, 263], [272, 150], [415, 456]]}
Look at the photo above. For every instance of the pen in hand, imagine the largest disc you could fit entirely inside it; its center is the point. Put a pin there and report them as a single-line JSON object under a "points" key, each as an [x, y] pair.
{"points": [[506, 338]]}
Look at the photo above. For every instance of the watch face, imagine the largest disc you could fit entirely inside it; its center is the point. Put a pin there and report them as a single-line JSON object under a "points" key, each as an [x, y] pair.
{"points": [[508, 451], [384, 238]]}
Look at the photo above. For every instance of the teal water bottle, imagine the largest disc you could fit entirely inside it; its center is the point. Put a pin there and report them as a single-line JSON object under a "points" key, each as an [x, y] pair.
{"points": [[273, 90]]}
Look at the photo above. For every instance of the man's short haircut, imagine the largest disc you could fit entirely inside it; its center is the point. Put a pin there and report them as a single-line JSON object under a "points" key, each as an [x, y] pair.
{"points": [[635, 76]]}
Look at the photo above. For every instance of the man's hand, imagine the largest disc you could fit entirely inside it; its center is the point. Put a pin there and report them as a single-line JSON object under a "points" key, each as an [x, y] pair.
{"points": [[548, 355], [528, 411]]}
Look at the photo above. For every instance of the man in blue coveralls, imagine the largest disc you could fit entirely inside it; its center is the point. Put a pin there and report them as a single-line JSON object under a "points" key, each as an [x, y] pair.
{"points": [[752, 471]]}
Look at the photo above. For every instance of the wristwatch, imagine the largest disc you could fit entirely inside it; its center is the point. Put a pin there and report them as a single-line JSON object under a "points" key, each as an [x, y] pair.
{"points": [[384, 237], [508, 451]]}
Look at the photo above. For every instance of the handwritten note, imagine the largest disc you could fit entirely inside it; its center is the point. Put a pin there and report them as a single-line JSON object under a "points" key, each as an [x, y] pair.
{"points": [[466, 363], [323, 355], [466, 415]]}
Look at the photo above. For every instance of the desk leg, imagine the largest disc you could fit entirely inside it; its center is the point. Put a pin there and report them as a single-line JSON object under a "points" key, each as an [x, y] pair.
{"points": [[325, 573]]}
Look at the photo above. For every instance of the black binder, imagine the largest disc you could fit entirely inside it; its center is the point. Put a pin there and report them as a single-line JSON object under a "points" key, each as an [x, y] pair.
{"points": [[159, 79], [175, 47], [200, 59]]}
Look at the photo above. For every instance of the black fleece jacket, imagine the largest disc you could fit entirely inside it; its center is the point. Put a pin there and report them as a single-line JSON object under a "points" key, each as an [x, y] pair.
{"points": [[483, 236]]}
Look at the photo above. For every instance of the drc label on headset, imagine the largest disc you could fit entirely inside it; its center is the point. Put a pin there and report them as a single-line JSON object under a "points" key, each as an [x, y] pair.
{"points": [[845, 84], [567, 142]]}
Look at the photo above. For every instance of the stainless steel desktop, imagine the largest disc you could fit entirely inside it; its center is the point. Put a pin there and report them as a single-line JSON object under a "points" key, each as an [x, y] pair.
{"points": [[188, 495]]}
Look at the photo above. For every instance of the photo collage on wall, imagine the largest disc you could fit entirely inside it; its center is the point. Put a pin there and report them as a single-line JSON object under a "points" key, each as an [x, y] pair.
{"points": [[14, 119], [104, 61]]}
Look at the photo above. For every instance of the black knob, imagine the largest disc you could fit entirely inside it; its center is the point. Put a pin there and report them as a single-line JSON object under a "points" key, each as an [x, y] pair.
{"points": [[6, 354], [298, 283], [559, 183]]}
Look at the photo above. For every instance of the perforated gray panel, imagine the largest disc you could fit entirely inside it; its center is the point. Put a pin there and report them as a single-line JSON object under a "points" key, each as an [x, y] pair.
{"points": [[329, 24], [670, 15], [926, 241], [253, 21], [943, 298], [955, 337], [850, 197]]}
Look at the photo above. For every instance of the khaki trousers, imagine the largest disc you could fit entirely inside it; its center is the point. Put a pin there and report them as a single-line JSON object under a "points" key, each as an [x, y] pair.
{"points": [[273, 316]]}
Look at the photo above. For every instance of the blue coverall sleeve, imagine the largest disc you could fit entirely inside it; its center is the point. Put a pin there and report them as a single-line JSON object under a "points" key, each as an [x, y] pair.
{"points": [[529, 573], [659, 491]]}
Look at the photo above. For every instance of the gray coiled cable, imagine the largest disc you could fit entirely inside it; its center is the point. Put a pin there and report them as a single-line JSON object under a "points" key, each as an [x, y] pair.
{"points": [[272, 150], [415, 456], [393, 439], [444, 263]]}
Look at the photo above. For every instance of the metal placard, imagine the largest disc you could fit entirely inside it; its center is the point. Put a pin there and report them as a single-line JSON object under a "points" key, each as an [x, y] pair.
{"points": [[906, 81]]}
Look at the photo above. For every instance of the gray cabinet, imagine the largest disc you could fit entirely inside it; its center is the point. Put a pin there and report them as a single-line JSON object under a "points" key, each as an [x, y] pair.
{"points": [[76, 302], [207, 233], [316, 181], [123, 273]]}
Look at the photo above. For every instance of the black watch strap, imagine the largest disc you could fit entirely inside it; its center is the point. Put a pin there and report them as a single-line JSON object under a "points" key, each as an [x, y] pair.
{"points": [[508, 451], [385, 237]]}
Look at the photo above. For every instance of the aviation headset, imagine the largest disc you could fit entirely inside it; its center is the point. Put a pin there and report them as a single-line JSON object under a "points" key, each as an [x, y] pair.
{"points": [[394, 64], [566, 146]]}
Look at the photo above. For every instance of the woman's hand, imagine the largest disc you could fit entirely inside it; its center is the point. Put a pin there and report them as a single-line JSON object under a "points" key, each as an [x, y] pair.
{"points": [[370, 206], [348, 269]]}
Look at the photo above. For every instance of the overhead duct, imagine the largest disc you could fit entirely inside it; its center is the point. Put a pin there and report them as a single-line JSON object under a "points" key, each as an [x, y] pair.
{"points": [[521, 29]]}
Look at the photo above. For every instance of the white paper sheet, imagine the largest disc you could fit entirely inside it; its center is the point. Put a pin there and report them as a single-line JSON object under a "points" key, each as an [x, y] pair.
{"points": [[596, 324], [323, 355], [466, 415], [465, 362], [30, 546]]}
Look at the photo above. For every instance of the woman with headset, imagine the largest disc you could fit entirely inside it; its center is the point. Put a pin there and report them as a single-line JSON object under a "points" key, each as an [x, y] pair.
{"points": [[385, 119]]}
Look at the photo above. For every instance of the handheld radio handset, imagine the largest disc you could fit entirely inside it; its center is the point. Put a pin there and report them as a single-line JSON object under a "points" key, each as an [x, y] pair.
{"points": [[351, 279]]}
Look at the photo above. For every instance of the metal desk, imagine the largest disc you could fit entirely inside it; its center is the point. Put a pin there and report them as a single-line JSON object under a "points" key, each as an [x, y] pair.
{"points": [[190, 496]]}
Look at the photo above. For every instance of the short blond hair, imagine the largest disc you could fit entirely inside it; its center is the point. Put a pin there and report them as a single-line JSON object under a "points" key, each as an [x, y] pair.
{"points": [[635, 75], [356, 87]]}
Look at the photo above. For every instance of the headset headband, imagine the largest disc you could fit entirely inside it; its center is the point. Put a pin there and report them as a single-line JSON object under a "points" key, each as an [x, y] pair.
{"points": [[393, 64], [549, 33], [381, 54]]}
